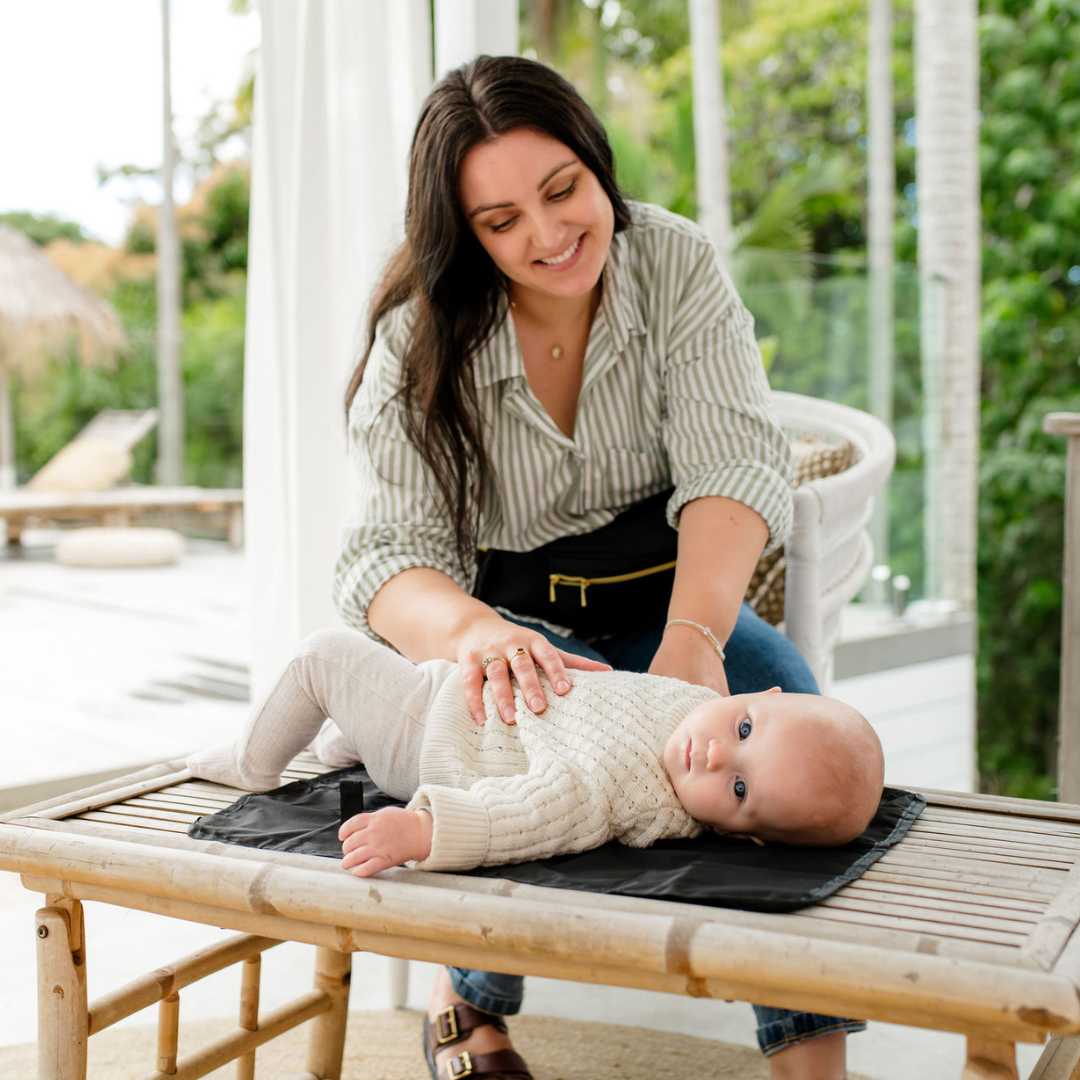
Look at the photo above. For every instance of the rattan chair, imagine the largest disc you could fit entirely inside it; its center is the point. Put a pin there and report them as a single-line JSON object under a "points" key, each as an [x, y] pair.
{"points": [[829, 552]]}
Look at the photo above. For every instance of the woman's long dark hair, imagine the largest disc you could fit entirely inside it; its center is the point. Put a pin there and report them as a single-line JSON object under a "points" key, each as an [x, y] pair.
{"points": [[452, 281]]}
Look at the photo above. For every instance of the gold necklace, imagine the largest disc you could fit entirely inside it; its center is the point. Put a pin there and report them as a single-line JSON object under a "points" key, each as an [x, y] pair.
{"points": [[556, 350]]}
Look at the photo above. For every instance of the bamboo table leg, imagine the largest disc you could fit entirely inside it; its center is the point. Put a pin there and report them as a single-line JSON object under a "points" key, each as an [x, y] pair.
{"points": [[1059, 1061], [168, 1033], [236, 527], [326, 1040], [990, 1060], [249, 1013], [63, 1016]]}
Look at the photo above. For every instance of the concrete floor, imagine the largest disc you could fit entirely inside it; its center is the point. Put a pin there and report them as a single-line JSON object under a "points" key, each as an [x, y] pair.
{"points": [[107, 670]]}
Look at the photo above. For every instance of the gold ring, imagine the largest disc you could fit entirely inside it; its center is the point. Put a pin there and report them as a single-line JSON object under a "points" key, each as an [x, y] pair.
{"points": [[519, 652]]}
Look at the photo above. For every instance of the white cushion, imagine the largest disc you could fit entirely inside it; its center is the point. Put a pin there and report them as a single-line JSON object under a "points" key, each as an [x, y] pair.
{"points": [[120, 547]]}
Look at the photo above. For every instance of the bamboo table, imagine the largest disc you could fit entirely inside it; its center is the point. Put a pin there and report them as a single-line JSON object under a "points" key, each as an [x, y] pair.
{"points": [[968, 925]]}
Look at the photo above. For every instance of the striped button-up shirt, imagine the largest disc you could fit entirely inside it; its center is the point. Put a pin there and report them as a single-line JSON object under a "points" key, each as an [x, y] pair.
{"points": [[673, 394]]}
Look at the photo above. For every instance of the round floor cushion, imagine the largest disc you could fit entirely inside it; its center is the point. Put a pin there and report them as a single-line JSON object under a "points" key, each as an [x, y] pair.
{"points": [[120, 547]]}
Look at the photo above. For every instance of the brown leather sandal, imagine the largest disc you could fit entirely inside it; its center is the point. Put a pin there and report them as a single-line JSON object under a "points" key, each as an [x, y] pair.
{"points": [[458, 1022]]}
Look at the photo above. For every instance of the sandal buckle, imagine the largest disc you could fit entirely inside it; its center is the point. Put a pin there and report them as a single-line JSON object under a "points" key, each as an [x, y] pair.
{"points": [[465, 1069], [446, 1029]]}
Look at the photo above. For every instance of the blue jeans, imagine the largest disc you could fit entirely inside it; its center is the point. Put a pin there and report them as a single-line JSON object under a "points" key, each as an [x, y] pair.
{"points": [[758, 656]]}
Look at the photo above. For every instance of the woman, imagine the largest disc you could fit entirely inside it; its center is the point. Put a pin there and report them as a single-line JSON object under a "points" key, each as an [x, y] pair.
{"points": [[555, 378]]}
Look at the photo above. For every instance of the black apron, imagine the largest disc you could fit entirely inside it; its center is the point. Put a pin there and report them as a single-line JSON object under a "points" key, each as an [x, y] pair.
{"points": [[617, 577]]}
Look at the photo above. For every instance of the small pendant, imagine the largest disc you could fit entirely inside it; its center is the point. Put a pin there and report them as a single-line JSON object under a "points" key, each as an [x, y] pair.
{"points": [[556, 352]]}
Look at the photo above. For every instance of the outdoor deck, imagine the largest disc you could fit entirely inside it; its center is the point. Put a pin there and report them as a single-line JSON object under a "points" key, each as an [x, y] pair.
{"points": [[108, 670]]}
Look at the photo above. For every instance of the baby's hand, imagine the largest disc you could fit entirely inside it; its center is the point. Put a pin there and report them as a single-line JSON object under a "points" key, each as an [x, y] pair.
{"points": [[389, 837]]}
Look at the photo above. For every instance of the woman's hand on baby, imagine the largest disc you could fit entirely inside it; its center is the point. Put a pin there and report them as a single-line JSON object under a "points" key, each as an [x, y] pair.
{"points": [[513, 652], [388, 837]]}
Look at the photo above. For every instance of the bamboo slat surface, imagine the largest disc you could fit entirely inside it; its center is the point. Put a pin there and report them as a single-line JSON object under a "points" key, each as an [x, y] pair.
{"points": [[974, 882], [960, 874]]}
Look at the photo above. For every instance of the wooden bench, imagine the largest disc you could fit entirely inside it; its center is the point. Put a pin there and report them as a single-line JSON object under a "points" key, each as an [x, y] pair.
{"points": [[968, 925], [118, 506]]}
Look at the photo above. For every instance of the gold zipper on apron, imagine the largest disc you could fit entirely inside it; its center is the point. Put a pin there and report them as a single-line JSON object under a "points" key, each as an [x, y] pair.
{"points": [[583, 582]]}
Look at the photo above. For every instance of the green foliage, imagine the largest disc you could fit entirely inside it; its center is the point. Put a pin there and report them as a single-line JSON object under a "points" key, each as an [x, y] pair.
{"points": [[226, 220], [213, 243], [1030, 79], [213, 359], [44, 228], [54, 406], [139, 238]]}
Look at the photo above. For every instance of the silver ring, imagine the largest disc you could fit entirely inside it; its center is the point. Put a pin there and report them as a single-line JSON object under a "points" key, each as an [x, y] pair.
{"points": [[487, 660]]}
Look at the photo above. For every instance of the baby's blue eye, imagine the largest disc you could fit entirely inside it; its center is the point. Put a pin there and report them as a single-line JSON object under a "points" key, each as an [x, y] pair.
{"points": [[740, 789], [745, 727]]}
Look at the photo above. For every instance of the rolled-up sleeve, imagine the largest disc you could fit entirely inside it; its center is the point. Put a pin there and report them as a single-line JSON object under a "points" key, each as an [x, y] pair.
{"points": [[399, 520], [719, 434]]}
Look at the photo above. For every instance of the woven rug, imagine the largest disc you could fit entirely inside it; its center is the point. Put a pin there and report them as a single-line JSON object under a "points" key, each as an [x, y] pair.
{"points": [[386, 1046]]}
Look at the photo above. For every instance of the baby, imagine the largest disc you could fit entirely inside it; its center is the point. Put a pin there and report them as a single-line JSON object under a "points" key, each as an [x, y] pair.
{"points": [[624, 756]]}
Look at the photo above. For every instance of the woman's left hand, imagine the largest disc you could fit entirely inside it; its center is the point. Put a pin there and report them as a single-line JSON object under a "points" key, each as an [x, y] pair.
{"points": [[685, 653]]}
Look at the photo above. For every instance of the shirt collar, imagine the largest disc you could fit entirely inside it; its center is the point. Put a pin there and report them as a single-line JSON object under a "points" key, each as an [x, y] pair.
{"points": [[621, 304], [621, 308]]}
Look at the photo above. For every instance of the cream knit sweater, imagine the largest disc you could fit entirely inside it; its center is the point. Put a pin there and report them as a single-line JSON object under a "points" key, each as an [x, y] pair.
{"points": [[586, 770]]}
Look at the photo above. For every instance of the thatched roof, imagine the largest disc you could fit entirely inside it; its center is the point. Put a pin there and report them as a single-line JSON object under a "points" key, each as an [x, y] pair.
{"points": [[41, 308]]}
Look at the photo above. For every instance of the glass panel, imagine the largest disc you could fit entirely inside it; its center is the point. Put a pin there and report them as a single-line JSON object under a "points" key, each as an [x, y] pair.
{"points": [[813, 322]]}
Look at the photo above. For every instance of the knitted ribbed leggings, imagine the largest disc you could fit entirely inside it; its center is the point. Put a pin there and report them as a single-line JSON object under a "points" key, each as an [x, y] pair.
{"points": [[378, 701]]}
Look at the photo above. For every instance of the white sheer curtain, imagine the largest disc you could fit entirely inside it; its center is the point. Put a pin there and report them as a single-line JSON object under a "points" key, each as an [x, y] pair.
{"points": [[467, 28], [337, 92]]}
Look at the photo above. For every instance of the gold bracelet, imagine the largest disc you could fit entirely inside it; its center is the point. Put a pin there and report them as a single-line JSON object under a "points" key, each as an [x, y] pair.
{"points": [[704, 629]]}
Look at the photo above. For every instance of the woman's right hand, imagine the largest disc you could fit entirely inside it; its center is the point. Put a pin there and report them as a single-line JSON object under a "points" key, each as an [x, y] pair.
{"points": [[513, 652]]}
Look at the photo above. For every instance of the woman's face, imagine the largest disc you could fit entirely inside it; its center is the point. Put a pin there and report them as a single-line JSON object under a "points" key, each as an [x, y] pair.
{"points": [[539, 213]]}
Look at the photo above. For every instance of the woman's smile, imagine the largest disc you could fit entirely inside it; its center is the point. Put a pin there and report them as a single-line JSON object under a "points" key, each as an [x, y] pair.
{"points": [[565, 259]]}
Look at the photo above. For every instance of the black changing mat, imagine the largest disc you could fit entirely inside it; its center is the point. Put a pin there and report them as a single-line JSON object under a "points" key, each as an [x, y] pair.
{"points": [[304, 817]]}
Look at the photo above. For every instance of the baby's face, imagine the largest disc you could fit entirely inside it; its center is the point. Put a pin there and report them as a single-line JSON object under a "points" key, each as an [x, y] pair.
{"points": [[794, 767]]}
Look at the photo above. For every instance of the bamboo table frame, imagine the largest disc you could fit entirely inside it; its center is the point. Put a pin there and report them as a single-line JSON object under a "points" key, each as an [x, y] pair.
{"points": [[968, 925]]}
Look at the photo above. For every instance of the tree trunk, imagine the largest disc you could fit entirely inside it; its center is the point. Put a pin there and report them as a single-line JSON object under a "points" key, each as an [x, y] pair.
{"points": [[598, 93], [881, 202], [544, 19], [710, 124], [947, 174], [7, 434], [170, 463]]}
